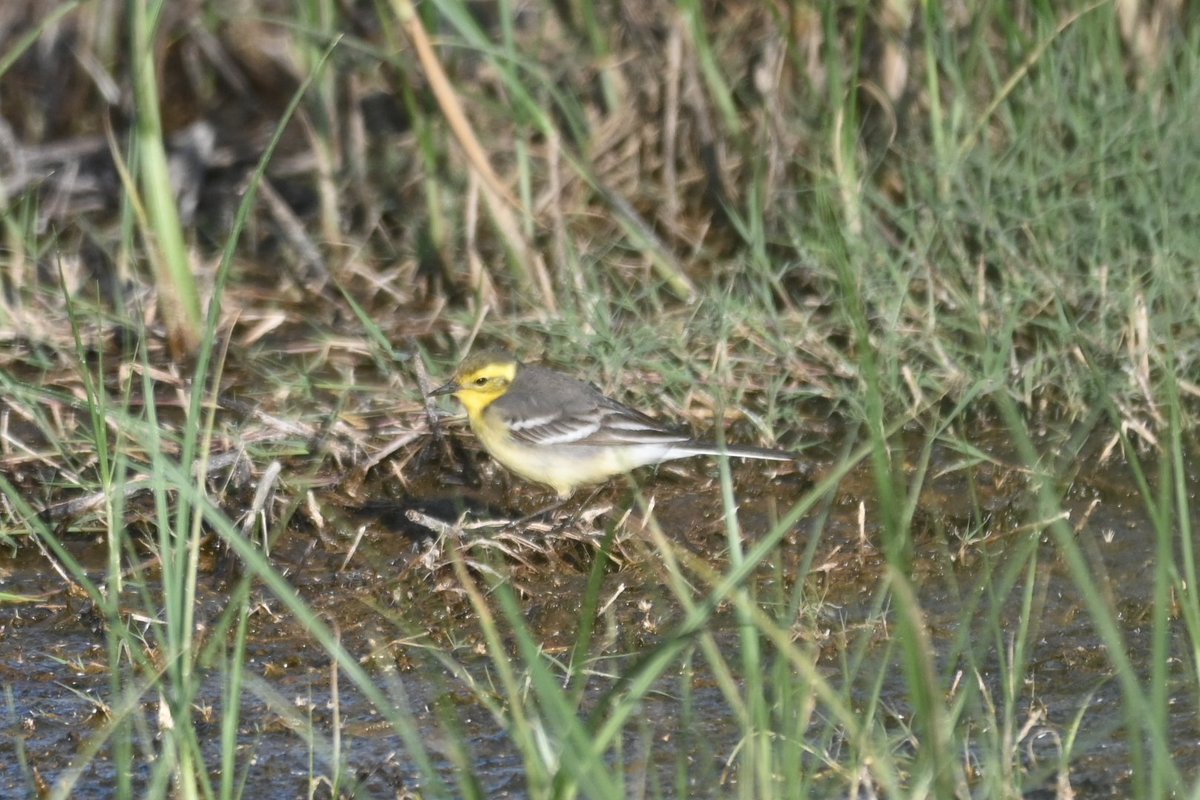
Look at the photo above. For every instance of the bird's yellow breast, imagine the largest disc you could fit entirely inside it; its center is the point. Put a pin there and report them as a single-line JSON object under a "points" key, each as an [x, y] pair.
{"points": [[564, 468]]}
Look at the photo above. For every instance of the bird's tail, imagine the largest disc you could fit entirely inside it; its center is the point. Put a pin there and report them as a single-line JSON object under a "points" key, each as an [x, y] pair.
{"points": [[694, 448]]}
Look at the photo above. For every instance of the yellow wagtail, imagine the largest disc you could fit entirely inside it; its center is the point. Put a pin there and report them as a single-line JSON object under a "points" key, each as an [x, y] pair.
{"points": [[553, 429]]}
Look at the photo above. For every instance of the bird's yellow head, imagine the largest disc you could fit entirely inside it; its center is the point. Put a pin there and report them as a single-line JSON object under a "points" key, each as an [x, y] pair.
{"points": [[481, 378]]}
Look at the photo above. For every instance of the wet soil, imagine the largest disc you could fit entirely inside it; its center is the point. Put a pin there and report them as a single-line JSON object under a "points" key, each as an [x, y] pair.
{"points": [[386, 584]]}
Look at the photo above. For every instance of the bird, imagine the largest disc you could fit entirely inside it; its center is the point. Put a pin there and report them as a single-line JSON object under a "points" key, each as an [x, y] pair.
{"points": [[556, 430]]}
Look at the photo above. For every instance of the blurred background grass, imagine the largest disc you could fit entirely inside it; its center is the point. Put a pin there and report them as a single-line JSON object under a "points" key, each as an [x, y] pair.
{"points": [[580, 175]]}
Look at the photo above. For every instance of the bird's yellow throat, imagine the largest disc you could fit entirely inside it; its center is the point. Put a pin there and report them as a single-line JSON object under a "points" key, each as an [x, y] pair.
{"points": [[479, 388]]}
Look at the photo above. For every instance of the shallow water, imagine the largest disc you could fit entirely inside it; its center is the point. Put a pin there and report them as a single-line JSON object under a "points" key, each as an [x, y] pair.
{"points": [[392, 595]]}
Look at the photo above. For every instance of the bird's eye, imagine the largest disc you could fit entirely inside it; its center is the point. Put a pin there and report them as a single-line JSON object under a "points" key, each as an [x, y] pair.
{"points": [[481, 381]]}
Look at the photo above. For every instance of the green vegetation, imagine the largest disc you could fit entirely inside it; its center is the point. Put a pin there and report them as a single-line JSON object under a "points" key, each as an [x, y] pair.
{"points": [[949, 253]]}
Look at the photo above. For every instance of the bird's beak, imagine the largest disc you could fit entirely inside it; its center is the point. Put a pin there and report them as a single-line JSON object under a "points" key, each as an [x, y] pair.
{"points": [[448, 388]]}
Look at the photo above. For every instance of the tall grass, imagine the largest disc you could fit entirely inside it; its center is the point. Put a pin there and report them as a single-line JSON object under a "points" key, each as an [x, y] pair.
{"points": [[161, 227]]}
